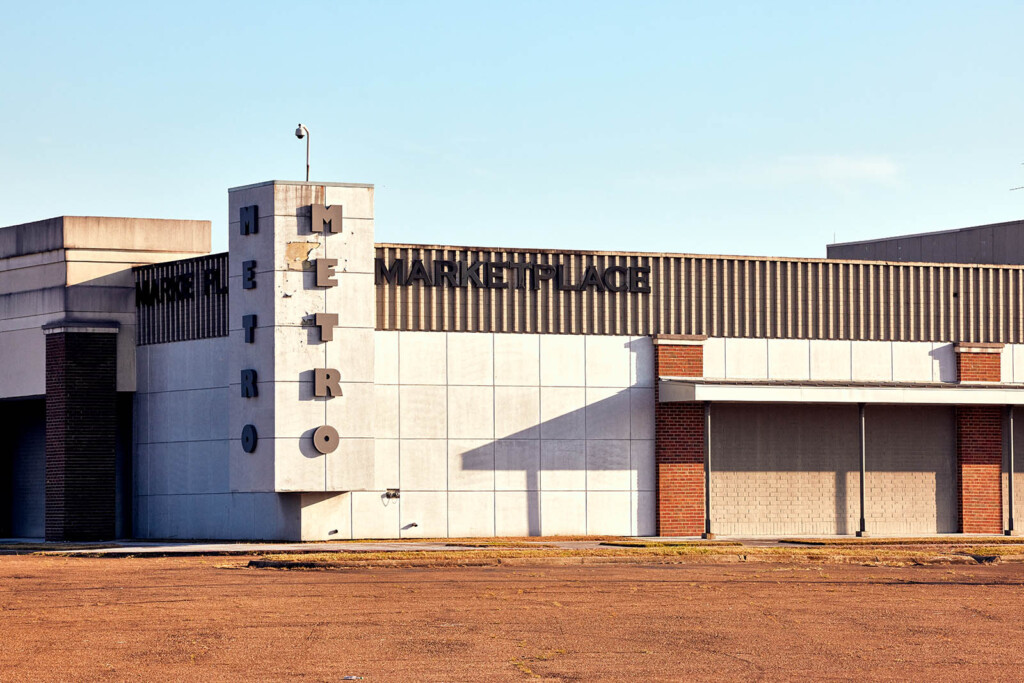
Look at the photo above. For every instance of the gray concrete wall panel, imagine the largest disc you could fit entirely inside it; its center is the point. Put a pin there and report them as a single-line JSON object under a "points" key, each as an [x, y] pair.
{"points": [[24, 363], [27, 279], [181, 467], [32, 238], [31, 303]]}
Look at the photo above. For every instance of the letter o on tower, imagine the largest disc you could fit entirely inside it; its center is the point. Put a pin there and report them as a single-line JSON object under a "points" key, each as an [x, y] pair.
{"points": [[248, 438], [325, 439]]}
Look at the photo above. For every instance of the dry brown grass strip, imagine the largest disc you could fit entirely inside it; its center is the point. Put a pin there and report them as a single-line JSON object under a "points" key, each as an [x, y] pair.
{"points": [[702, 553]]}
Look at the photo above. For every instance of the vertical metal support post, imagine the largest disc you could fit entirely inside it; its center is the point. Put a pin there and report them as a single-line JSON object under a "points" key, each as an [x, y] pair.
{"points": [[1009, 476], [862, 531], [707, 471]]}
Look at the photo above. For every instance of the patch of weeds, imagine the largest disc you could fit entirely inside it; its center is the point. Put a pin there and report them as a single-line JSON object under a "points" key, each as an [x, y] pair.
{"points": [[928, 540], [24, 548], [523, 668], [670, 544], [991, 550], [500, 544]]}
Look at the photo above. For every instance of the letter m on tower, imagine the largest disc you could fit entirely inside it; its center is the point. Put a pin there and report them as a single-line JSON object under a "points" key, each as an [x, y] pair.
{"points": [[326, 219]]}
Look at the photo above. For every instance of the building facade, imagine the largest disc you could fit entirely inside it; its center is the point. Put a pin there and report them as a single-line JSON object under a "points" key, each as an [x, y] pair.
{"points": [[313, 384]]}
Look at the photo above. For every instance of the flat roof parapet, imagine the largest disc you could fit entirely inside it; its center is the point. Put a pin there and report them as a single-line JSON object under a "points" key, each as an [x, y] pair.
{"points": [[297, 182], [104, 233]]}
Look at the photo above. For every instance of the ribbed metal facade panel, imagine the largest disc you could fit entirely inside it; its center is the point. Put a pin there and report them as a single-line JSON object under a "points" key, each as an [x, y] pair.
{"points": [[721, 296], [203, 315]]}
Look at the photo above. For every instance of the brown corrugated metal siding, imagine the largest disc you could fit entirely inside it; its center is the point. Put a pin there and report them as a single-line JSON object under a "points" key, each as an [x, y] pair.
{"points": [[722, 296]]}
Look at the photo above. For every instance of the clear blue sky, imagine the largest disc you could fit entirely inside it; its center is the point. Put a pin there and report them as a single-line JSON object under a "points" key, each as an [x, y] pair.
{"points": [[732, 127]]}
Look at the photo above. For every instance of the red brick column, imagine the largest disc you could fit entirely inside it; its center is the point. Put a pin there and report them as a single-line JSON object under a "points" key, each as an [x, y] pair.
{"points": [[81, 431], [976, 362], [979, 444], [679, 441], [979, 455]]}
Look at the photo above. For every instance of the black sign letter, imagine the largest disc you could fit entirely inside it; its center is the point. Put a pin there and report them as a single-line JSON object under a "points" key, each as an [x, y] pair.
{"points": [[609, 278], [638, 279], [249, 384], [249, 325], [418, 272], [248, 275], [248, 438], [248, 223], [396, 273]]}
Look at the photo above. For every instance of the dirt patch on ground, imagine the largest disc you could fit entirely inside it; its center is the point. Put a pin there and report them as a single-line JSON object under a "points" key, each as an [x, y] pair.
{"points": [[215, 619]]}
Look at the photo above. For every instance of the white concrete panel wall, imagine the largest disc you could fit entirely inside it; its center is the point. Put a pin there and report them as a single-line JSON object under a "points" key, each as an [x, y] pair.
{"points": [[184, 485], [842, 361], [182, 481], [507, 434]]}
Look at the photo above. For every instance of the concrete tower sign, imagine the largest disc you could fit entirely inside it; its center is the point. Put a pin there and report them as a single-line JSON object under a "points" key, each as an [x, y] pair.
{"points": [[301, 338]]}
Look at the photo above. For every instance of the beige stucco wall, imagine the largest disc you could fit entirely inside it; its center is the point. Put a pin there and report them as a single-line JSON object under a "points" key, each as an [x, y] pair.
{"points": [[784, 469], [1018, 469], [911, 472]]}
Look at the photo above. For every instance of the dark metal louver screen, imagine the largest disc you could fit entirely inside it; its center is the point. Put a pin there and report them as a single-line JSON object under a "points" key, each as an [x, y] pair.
{"points": [[182, 300]]}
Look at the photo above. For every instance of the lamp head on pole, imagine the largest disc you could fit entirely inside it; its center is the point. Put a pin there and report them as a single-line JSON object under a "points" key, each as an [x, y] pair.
{"points": [[303, 132]]}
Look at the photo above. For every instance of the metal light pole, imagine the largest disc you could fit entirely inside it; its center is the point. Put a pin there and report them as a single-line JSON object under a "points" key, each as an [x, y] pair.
{"points": [[303, 132], [707, 471], [1010, 531], [863, 530]]}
